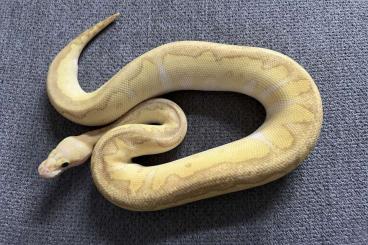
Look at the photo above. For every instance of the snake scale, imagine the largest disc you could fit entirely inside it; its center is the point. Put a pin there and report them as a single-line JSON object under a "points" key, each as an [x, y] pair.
{"points": [[141, 124]]}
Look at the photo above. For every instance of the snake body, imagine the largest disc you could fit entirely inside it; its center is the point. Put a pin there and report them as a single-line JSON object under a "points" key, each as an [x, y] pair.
{"points": [[288, 93]]}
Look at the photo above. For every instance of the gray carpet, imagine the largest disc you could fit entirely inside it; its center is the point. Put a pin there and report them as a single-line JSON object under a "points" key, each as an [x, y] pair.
{"points": [[323, 201]]}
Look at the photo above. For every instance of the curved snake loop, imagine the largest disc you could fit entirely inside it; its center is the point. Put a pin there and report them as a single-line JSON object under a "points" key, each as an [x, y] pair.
{"points": [[288, 93]]}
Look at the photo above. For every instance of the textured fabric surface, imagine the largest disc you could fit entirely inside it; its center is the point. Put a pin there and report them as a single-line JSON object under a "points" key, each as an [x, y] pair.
{"points": [[323, 201]]}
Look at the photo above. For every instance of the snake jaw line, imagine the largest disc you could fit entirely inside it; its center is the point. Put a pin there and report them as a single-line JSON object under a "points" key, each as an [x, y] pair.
{"points": [[45, 172]]}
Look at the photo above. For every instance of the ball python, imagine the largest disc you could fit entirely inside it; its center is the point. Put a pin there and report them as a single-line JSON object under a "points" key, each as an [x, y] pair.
{"points": [[140, 124]]}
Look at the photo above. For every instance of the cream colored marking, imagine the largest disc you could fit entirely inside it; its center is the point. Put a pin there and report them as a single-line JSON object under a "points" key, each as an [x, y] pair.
{"points": [[164, 77], [260, 136], [249, 87], [291, 129], [272, 89]]}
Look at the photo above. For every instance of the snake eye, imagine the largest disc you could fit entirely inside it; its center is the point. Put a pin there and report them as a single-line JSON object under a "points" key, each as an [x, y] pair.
{"points": [[65, 164]]}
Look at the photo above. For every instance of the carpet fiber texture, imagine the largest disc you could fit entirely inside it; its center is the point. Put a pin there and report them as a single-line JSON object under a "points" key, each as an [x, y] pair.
{"points": [[322, 201]]}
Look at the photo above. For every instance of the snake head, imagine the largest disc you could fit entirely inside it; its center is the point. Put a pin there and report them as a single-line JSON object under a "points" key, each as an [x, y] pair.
{"points": [[70, 152]]}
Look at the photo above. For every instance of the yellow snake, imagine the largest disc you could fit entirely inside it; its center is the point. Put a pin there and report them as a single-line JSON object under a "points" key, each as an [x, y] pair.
{"points": [[140, 126]]}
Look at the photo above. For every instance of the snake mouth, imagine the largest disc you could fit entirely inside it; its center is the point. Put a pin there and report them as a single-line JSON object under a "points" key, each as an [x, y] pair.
{"points": [[46, 173]]}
